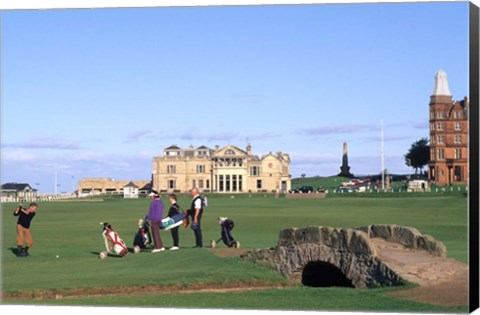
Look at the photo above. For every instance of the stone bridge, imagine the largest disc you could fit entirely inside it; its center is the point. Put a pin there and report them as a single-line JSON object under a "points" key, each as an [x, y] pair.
{"points": [[326, 256]]}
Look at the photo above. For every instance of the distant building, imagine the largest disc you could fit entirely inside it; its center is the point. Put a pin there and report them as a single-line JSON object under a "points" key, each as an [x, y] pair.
{"points": [[16, 190], [226, 170], [448, 135], [130, 191], [110, 185]]}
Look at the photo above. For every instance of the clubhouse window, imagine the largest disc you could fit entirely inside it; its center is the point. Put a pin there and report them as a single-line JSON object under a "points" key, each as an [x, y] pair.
{"points": [[171, 169], [458, 126], [227, 182], [259, 184], [458, 139], [171, 184], [255, 170]]}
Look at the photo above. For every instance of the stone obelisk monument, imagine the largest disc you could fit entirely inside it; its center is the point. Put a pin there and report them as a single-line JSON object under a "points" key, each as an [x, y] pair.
{"points": [[345, 169]]}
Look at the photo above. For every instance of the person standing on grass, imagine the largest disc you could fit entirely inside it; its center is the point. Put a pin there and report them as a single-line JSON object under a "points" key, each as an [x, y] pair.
{"points": [[174, 209], [195, 212], [24, 236], [155, 215]]}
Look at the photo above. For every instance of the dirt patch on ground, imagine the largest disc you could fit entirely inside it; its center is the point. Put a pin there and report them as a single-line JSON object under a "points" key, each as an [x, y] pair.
{"points": [[142, 290], [442, 281], [228, 252]]}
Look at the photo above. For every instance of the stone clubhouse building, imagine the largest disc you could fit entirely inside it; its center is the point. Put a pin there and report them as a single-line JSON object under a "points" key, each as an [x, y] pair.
{"points": [[222, 170]]}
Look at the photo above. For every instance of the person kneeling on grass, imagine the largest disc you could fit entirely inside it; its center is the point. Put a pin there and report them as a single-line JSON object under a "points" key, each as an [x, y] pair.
{"points": [[24, 236]]}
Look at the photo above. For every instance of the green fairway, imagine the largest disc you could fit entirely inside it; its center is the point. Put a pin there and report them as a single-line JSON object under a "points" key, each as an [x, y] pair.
{"points": [[71, 231]]}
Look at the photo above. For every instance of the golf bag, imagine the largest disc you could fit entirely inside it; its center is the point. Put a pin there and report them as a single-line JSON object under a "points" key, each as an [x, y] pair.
{"points": [[227, 226], [143, 238], [176, 220], [113, 243]]}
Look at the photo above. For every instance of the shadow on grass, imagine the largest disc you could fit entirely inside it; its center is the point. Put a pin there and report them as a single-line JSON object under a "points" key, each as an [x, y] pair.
{"points": [[109, 254], [14, 250]]}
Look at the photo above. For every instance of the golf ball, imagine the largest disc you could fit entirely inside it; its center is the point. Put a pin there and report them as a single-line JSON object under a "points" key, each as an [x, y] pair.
{"points": [[58, 256]]}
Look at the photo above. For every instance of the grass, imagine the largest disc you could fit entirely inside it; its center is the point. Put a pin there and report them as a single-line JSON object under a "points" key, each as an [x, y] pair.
{"points": [[71, 230]]}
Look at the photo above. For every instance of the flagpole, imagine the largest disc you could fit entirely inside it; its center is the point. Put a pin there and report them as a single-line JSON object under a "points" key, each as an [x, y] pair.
{"points": [[382, 150]]}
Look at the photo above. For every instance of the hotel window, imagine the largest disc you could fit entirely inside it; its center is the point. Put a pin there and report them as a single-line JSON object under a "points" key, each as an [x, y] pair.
{"points": [[440, 154], [432, 154], [432, 127], [459, 114], [458, 139], [457, 173], [439, 115], [432, 139], [440, 126], [432, 115], [458, 126], [200, 168], [171, 169], [171, 184], [458, 154], [441, 139]]}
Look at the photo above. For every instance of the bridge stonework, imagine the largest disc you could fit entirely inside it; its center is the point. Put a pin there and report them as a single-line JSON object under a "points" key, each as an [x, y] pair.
{"points": [[350, 250]]}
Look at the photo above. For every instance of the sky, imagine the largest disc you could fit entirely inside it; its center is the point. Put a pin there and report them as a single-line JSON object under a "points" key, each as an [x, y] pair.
{"points": [[100, 92]]}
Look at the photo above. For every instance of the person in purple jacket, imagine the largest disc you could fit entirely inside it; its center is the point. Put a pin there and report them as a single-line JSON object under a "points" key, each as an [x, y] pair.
{"points": [[155, 215]]}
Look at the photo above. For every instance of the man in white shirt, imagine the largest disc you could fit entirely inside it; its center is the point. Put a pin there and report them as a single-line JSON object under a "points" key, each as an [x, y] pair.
{"points": [[195, 213]]}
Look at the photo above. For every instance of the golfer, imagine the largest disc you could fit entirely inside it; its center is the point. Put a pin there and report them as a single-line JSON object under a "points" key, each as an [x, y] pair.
{"points": [[24, 236], [155, 215], [196, 211], [174, 209]]}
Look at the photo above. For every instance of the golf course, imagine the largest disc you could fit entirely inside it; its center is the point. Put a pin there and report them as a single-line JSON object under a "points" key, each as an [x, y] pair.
{"points": [[64, 268]]}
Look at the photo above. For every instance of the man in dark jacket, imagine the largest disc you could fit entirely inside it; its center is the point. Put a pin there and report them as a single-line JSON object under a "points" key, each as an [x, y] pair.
{"points": [[24, 236], [174, 209]]}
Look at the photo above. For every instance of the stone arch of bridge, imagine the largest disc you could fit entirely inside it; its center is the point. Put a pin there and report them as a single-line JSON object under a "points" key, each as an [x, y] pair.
{"points": [[324, 274]]}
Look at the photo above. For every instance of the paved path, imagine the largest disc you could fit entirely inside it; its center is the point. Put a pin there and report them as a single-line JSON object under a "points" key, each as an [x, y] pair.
{"points": [[442, 281]]}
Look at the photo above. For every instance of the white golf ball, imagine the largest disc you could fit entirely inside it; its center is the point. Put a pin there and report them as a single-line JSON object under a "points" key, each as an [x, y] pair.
{"points": [[58, 256]]}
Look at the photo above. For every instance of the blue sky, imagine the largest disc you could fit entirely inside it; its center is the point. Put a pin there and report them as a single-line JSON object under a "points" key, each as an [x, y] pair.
{"points": [[99, 92]]}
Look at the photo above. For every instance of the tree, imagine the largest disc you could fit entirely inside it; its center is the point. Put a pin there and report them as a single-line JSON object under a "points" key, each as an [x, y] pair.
{"points": [[418, 155]]}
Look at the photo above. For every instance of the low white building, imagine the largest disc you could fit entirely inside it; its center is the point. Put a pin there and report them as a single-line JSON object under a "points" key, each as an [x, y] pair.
{"points": [[418, 185], [130, 191]]}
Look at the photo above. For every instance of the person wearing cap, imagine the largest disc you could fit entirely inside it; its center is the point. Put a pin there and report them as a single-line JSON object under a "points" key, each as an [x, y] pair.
{"points": [[155, 215]]}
